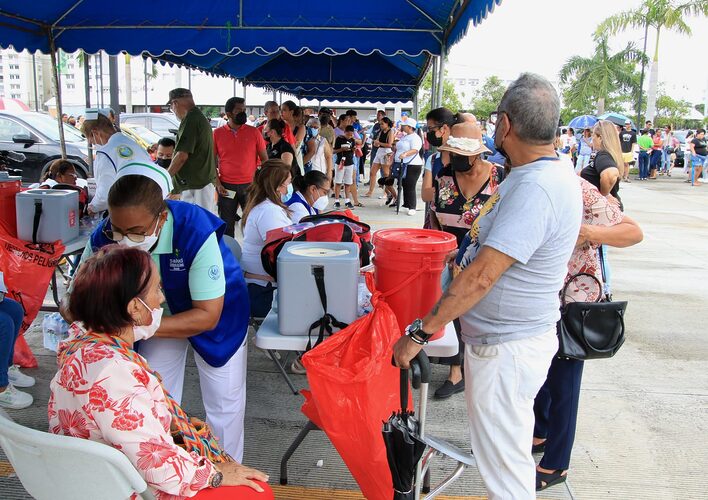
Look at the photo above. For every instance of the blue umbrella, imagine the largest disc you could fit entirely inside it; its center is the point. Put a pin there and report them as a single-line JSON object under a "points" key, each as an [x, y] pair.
{"points": [[582, 122], [616, 118]]}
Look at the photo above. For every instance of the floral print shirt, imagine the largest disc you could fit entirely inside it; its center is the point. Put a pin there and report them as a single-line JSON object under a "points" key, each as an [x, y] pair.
{"points": [[454, 212], [99, 394], [598, 211]]}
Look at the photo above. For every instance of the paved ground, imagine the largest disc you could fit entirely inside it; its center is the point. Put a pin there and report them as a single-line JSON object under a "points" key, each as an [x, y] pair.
{"points": [[643, 424]]}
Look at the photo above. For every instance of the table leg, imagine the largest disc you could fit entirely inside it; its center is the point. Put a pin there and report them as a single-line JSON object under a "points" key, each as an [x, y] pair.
{"points": [[281, 368], [289, 453]]}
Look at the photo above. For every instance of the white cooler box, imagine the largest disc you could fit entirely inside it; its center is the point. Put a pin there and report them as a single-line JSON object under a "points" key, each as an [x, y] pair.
{"points": [[299, 302], [59, 219]]}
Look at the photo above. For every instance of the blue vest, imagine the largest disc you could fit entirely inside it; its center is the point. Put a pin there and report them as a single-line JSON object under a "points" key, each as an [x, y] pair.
{"points": [[297, 198], [192, 225]]}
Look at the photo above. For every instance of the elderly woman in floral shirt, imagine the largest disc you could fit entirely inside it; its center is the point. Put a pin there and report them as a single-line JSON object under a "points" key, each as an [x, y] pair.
{"points": [[461, 188]]}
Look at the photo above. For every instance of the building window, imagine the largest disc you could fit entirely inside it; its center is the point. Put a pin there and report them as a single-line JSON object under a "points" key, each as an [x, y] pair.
{"points": [[13, 66], [14, 77], [15, 86], [69, 77], [15, 96], [70, 86]]}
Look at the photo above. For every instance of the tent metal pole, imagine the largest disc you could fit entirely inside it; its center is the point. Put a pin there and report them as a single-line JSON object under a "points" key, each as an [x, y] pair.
{"points": [[244, 90], [34, 76], [189, 78], [100, 66], [115, 90], [87, 79], [145, 79], [415, 105], [57, 88], [433, 83], [441, 75]]}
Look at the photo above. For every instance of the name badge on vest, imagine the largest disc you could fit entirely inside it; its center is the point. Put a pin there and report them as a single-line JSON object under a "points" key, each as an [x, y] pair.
{"points": [[176, 261]]}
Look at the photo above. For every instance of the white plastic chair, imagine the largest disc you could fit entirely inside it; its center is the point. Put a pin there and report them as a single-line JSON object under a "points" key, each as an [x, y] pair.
{"points": [[62, 467], [233, 245]]}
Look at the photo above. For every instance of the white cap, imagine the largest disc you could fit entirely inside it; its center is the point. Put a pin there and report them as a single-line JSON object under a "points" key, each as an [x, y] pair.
{"points": [[409, 122], [155, 172]]}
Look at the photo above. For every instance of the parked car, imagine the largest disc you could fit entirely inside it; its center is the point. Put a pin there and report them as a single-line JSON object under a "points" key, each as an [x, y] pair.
{"points": [[143, 136], [163, 124], [36, 136]]}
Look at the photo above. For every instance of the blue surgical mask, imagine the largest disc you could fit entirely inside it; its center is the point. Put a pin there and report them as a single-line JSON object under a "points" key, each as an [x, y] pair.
{"points": [[286, 197], [315, 132]]}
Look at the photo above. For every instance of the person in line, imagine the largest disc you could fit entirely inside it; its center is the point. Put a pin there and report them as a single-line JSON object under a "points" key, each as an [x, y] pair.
{"points": [[238, 149], [106, 392], [292, 115], [603, 170], [699, 154], [193, 165], [667, 151], [278, 148], [344, 165], [440, 122], [627, 139], [326, 129], [584, 150], [645, 144], [375, 130], [265, 211], [462, 187], [272, 112], [165, 151], [206, 297], [383, 143], [309, 195], [114, 151], [11, 316], [319, 152], [656, 153], [568, 142], [518, 255], [408, 153], [556, 405]]}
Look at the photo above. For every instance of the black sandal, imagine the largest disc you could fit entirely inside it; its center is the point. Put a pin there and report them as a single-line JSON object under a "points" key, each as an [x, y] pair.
{"points": [[546, 480], [538, 448]]}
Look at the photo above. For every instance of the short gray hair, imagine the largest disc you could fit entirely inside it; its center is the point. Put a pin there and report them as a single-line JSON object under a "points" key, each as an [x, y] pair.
{"points": [[313, 121], [533, 108]]}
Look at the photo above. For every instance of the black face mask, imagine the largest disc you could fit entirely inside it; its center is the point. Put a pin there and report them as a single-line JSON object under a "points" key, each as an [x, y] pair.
{"points": [[240, 118], [433, 139], [164, 162], [460, 163], [499, 148]]}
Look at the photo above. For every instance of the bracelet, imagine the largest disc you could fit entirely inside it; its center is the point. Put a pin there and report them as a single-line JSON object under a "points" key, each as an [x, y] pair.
{"points": [[417, 340]]}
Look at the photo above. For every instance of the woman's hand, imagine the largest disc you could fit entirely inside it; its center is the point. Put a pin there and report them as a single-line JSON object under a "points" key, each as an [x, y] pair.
{"points": [[450, 258], [236, 474], [585, 236]]}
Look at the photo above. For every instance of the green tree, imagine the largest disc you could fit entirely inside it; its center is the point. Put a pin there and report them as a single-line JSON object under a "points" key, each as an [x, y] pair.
{"points": [[450, 98], [670, 111], [487, 98], [596, 80], [660, 15]]}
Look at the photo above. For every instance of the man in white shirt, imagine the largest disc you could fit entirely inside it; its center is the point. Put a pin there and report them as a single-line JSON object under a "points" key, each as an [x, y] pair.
{"points": [[113, 151]]}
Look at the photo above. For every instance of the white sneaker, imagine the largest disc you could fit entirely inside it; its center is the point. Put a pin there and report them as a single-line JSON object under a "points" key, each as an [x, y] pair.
{"points": [[297, 368], [19, 379], [411, 212], [15, 400]]}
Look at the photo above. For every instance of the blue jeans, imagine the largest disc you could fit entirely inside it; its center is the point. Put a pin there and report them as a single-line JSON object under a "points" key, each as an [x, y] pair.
{"points": [[261, 299], [665, 161], [11, 315], [655, 159], [643, 164]]}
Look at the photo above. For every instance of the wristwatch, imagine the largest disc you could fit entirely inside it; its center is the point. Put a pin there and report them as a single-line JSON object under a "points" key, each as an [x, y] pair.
{"points": [[416, 333], [216, 478]]}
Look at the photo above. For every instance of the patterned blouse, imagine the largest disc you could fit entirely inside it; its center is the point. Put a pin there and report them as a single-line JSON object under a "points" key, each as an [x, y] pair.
{"points": [[598, 211], [454, 212], [99, 394]]}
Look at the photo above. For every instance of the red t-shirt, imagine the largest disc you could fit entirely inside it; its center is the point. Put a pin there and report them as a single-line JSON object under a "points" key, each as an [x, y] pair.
{"points": [[237, 151]]}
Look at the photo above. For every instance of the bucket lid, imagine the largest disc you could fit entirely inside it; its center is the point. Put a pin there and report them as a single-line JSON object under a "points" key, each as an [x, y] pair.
{"points": [[6, 177], [415, 240]]}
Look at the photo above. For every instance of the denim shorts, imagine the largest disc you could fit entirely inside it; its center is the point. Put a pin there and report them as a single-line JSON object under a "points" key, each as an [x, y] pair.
{"points": [[698, 160]]}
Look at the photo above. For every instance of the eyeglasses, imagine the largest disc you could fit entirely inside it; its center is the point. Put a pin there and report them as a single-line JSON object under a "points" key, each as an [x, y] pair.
{"points": [[117, 236]]}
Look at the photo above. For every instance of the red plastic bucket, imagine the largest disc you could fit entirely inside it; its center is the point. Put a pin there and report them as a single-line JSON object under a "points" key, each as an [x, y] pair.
{"points": [[408, 267], [9, 187]]}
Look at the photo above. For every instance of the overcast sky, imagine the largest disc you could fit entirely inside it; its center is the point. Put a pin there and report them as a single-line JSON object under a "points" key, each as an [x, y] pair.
{"points": [[540, 35]]}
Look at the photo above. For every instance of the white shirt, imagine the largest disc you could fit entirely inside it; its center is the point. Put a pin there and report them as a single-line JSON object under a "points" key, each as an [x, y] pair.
{"points": [[298, 210], [264, 217], [117, 152], [568, 141], [408, 142]]}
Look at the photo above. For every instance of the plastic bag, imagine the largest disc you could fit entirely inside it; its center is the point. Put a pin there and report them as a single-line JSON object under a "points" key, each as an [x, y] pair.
{"points": [[54, 330], [28, 268], [353, 388]]}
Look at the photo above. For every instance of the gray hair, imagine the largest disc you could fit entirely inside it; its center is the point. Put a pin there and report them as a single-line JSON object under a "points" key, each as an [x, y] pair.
{"points": [[313, 121], [533, 108], [270, 104]]}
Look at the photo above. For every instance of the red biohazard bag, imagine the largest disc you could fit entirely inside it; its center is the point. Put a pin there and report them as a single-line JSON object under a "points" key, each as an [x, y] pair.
{"points": [[330, 227], [27, 269], [353, 388]]}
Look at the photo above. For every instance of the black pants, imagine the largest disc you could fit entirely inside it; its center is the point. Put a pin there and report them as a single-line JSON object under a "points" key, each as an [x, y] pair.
{"points": [[228, 207], [409, 184]]}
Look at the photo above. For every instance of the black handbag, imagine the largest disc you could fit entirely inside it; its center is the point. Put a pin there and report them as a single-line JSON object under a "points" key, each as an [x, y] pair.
{"points": [[590, 330]]}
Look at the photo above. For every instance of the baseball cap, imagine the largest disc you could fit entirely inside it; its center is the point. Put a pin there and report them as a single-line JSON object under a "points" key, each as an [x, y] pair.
{"points": [[628, 122], [177, 93], [407, 120]]}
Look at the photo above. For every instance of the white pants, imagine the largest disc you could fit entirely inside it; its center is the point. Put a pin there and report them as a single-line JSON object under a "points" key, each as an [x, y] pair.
{"points": [[223, 388], [583, 161], [204, 197], [501, 382]]}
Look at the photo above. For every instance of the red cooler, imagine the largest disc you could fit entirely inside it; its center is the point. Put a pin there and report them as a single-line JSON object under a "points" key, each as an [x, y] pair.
{"points": [[9, 187], [408, 267]]}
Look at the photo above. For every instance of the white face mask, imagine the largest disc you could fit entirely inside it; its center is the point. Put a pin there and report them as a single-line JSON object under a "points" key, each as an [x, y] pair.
{"points": [[144, 332], [146, 244], [321, 203]]}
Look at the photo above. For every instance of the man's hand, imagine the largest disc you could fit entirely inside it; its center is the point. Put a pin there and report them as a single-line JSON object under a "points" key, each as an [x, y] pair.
{"points": [[236, 474], [404, 351]]}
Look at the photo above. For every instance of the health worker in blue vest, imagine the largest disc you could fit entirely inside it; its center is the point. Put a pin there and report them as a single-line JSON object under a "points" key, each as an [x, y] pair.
{"points": [[310, 195], [206, 297]]}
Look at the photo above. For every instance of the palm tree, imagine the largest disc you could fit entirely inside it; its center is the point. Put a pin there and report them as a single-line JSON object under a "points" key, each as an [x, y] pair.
{"points": [[595, 78], [660, 15]]}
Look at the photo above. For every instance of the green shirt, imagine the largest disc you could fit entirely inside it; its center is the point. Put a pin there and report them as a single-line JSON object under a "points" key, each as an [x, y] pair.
{"points": [[196, 138], [206, 274], [645, 142]]}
